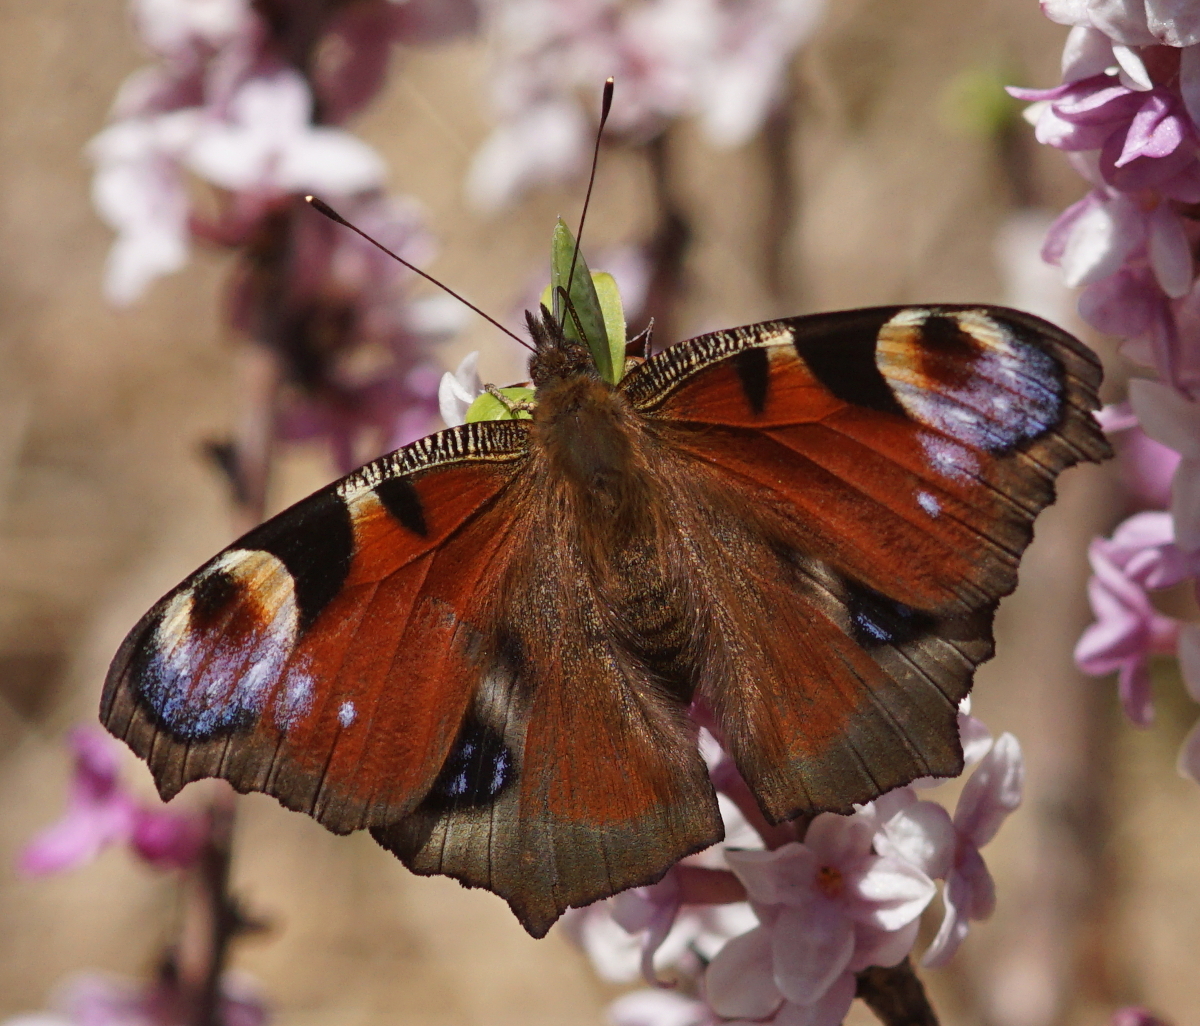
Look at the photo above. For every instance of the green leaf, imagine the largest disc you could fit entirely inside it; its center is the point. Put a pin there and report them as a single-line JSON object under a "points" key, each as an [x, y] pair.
{"points": [[614, 319], [585, 302], [488, 407]]}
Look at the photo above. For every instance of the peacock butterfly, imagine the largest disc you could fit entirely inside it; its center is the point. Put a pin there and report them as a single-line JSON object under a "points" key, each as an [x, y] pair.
{"points": [[483, 647]]}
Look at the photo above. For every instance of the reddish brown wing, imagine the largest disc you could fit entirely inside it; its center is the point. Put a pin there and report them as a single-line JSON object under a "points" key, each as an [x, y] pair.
{"points": [[881, 470], [385, 654]]}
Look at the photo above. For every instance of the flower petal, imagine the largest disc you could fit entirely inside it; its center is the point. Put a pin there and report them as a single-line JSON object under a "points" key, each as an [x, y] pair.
{"points": [[1167, 416], [740, 980], [1188, 763], [1170, 251], [810, 949], [1185, 504], [992, 792], [922, 835]]}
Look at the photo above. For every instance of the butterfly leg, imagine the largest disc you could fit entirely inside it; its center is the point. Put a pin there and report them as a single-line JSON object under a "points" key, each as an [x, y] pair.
{"points": [[512, 406]]}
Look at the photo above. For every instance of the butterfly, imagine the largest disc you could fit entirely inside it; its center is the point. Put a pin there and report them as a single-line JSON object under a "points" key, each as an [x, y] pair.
{"points": [[483, 647]]}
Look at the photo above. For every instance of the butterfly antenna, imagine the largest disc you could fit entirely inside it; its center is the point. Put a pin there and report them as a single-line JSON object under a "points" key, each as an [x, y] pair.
{"points": [[333, 215], [569, 310], [605, 107]]}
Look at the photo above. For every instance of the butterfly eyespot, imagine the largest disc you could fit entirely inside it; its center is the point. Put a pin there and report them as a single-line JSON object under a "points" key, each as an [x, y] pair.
{"points": [[198, 690], [970, 377], [478, 770], [879, 620]]}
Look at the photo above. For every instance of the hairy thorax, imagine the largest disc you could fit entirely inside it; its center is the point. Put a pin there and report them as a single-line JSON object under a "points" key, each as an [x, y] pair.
{"points": [[600, 454]]}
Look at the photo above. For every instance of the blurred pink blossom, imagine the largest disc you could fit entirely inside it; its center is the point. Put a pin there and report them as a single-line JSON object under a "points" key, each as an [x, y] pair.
{"points": [[828, 908], [353, 58], [140, 191], [1147, 466], [659, 1008], [1128, 630], [101, 812], [722, 61], [1135, 1016], [95, 999], [267, 143], [1174, 421]]}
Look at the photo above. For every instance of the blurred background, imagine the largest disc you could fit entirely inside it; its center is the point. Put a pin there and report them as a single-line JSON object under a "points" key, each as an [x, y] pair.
{"points": [[893, 171]]}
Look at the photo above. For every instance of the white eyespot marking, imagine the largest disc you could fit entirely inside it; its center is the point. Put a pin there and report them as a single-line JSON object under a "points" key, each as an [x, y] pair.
{"points": [[948, 458], [294, 699], [969, 376], [929, 504], [347, 714], [218, 649]]}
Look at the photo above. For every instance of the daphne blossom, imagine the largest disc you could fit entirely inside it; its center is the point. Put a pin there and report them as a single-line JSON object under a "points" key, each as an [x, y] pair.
{"points": [[101, 812], [828, 908], [725, 63]]}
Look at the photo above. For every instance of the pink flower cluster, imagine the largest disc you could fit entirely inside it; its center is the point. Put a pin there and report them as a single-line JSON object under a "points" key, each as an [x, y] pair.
{"points": [[723, 61], [94, 999], [239, 117], [784, 937], [101, 812], [1128, 116]]}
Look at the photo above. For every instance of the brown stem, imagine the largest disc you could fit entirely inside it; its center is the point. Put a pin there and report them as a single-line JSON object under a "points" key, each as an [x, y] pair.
{"points": [[210, 918], [253, 449], [896, 995], [783, 199], [668, 248]]}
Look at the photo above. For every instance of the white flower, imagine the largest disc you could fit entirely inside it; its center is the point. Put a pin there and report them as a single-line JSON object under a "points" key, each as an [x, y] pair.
{"points": [[139, 190], [268, 144], [458, 390]]}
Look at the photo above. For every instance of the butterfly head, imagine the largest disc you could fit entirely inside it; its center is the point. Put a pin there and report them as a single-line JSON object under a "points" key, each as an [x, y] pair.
{"points": [[556, 355]]}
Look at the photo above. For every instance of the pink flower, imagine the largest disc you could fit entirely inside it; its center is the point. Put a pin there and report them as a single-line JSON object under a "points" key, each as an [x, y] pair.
{"points": [[722, 62], [828, 908], [354, 55], [100, 812], [268, 144], [1093, 238], [1147, 466], [1128, 630], [94, 999], [1174, 421], [457, 391], [140, 191], [1134, 1016], [989, 796], [1131, 22], [659, 1008]]}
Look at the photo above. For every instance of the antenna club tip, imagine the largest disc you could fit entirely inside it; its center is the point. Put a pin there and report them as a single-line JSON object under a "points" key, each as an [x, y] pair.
{"points": [[309, 199]]}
